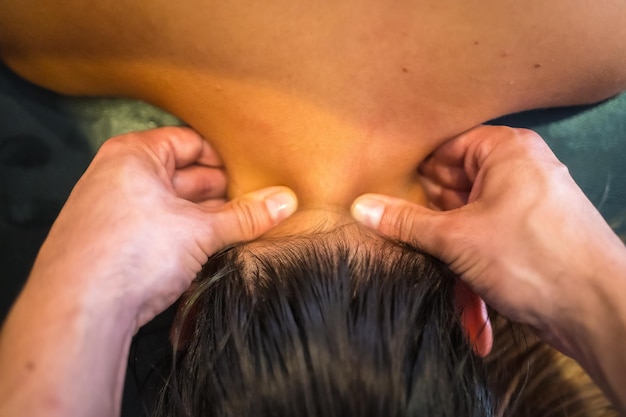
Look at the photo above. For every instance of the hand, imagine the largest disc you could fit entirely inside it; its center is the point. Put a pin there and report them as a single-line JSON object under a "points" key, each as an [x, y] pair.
{"points": [[143, 219], [134, 232], [528, 241]]}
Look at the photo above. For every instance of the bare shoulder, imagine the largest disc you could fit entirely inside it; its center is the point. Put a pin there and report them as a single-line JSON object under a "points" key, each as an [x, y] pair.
{"points": [[533, 53], [72, 46], [573, 43]]}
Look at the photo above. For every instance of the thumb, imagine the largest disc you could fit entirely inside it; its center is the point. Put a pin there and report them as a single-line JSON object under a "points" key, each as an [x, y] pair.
{"points": [[411, 223], [251, 215]]}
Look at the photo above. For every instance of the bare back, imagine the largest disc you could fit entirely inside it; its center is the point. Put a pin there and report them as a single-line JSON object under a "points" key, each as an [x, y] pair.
{"points": [[338, 87]]}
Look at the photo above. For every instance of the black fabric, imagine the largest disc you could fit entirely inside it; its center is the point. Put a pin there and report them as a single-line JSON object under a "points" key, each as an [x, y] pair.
{"points": [[42, 154]]}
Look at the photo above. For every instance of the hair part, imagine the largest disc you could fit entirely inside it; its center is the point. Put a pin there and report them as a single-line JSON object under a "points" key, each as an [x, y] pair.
{"points": [[317, 326]]}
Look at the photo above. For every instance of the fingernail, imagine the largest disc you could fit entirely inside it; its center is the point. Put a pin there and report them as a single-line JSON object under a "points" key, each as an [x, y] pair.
{"points": [[281, 205], [368, 211]]}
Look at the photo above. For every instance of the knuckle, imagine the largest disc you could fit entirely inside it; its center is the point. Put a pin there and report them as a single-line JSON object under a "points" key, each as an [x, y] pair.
{"points": [[562, 171], [111, 146], [400, 222], [250, 217], [118, 146]]}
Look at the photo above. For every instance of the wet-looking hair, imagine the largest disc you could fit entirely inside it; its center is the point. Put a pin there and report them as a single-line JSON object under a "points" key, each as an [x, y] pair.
{"points": [[321, 326]]}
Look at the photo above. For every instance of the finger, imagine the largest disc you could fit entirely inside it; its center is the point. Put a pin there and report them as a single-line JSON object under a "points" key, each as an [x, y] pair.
{"points": [[449, 176], [469, 150], [408, 222], [197, 183], [444, 198], [501, 144], [450, 200], [456, 162], [178, 147], [453, 151], [250, 216]]}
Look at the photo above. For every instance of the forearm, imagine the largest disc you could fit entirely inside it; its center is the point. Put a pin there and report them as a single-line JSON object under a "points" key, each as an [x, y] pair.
{"points": [[60, 356], [599, 335], [606, 359]]}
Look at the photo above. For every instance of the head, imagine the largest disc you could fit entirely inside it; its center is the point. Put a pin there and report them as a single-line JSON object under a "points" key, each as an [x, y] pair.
{"points": [[324, 324]]}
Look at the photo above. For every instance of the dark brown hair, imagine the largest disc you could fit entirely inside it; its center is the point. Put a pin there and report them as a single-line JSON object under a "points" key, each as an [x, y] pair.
{"points": [[319, 327]]}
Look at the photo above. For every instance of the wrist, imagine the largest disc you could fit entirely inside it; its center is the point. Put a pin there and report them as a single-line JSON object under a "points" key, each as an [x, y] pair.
{"points": [[57, 346], [605, 358], [595, 334], [84, 282]]}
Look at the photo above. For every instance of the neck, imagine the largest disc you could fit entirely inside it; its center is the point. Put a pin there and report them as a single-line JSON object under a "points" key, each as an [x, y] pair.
{"points": [[327, 155]]}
